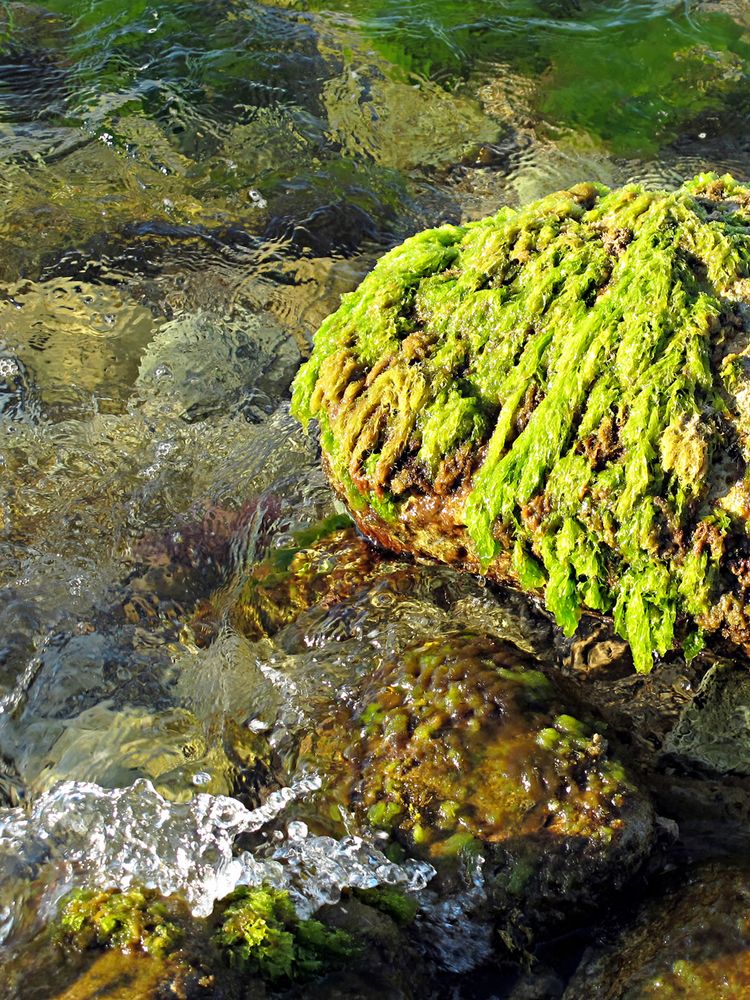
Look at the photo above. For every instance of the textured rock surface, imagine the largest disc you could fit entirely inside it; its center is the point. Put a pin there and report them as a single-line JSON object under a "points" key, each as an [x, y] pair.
{"points": [[558, 397], [322, 565], [461, 745], [137, 945], [693, 943], [133, 945]]}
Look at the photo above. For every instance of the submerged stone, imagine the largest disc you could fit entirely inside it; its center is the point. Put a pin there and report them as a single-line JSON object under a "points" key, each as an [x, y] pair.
{"points": [[558, 397], [118, 945], [170, 749], [117, 975], [324, 564], [693, 943], [462, 747]]}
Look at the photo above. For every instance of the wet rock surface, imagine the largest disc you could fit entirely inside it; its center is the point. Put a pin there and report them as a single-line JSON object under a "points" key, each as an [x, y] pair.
{"points": [[118, 945], [463, 747], [138, 945], [693, 942]]}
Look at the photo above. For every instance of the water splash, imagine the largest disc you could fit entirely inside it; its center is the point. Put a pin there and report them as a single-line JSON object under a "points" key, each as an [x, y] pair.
{"points": [[80, 834], [458, 930]]}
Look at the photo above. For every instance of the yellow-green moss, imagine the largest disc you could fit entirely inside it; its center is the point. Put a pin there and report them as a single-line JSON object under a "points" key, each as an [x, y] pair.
{"points": [[459, 747], [261, 934], [561, 358], [136, 920]]}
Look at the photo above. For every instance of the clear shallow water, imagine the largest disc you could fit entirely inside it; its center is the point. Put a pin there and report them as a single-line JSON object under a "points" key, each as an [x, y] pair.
{"points": [[187, 189]]}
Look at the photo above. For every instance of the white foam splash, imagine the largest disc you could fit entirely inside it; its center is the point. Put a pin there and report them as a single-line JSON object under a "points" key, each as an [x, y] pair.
{"points": [[80, 834]]}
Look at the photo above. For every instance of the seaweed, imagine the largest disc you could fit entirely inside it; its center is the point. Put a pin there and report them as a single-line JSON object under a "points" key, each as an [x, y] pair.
{"points": [[260, 933], [559, 376], [461, 749], [136, 920]]}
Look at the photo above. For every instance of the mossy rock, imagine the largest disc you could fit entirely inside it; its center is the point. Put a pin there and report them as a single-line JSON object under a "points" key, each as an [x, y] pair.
{"points": [[462, 747], [137, 944], [557, 397], [256, 930], [119, 945], [693, 943], [359, 947], [137, 920], [261, 934]]}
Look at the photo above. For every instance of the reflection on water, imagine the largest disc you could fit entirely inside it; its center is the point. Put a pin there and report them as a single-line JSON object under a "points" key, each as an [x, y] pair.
{"points": [[187, 189]]}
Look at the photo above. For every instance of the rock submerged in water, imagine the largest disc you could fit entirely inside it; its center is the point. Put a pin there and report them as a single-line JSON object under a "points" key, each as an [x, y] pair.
{"points": [[692, 943], [462, 745], [323, 565], [138, 945], [459, 746], [559, 397]]}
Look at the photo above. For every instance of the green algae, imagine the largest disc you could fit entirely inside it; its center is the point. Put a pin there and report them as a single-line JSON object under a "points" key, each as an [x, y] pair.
{"points": [[552, 372], [460, 748], [260, 933], [625, 78], [132, 920], [391, 901], [256, 932], [323, 564]]}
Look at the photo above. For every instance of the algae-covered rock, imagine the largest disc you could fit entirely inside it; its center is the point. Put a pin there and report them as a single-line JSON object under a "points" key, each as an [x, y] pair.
{"points": [[137, 944], [462, 746], [118, 945], [134, 920], [558, 397], [693, 943]]}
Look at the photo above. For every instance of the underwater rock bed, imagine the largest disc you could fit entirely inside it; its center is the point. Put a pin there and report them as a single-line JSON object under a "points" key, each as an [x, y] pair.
{"points": [[461, 751], [557, 397], [398, 719]]}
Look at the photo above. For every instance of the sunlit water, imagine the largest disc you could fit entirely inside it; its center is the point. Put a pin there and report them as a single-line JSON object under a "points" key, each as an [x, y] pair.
{"points": [[187, 190]]}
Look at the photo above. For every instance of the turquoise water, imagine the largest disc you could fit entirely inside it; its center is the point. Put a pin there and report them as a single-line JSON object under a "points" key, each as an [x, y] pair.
{"points": [[187, 189]]}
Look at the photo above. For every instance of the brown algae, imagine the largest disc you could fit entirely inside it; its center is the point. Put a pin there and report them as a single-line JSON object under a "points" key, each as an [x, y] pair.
{"points": [[462, 747]]}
